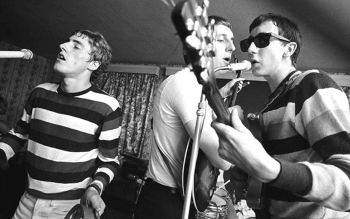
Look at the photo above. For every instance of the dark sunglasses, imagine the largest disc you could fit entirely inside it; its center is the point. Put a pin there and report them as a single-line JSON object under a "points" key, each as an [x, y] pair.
{"points": [[261, 40]]}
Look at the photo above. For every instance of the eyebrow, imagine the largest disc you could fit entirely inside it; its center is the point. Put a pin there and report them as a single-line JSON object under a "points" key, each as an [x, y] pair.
{"points": [[75, 41], [78, 42], [225, 35]]}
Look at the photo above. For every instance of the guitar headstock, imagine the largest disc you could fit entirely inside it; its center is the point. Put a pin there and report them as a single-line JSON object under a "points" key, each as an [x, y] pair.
{"points": [[190, 19]]}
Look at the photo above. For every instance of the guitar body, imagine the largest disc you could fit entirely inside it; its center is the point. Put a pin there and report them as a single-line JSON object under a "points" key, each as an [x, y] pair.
{"points": [[205, 178], [256, 197]]}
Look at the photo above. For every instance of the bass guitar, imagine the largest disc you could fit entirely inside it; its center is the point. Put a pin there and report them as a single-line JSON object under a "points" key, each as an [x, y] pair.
{"points": [[191, 22]]}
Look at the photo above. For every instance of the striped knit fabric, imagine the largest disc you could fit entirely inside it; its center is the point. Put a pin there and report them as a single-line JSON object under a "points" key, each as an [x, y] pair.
{"points": [[307, 131], [72, 140]]}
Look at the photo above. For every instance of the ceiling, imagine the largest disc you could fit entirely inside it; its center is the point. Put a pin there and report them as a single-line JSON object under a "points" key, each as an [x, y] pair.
{"points": [[141, 31]]}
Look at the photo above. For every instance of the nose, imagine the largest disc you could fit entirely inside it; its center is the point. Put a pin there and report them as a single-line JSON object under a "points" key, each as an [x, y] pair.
{"points": [[252, 48], [63, 46], [230, 47]]}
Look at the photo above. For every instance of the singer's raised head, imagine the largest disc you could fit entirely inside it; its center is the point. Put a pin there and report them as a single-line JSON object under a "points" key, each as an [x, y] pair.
{"points": [[100, 49]]}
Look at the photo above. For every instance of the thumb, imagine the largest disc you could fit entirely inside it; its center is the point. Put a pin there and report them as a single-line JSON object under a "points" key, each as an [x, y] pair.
{"points": [[236, 122]]}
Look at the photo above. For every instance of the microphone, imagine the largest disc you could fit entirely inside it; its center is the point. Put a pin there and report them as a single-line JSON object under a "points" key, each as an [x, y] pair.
{"points": [[243, 65], [24, 54]]}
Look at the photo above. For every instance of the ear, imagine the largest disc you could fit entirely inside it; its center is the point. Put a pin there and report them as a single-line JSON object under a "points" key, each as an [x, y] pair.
{"points": [[290, 49], [93, 65]]}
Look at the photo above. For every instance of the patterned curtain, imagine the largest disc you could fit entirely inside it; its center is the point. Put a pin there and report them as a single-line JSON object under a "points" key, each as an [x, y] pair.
{"points": [[18, 77], [135, 93]]}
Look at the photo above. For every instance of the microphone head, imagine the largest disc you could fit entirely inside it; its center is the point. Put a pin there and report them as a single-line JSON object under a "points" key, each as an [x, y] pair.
{"points": [[27, 54], [249, 65]]}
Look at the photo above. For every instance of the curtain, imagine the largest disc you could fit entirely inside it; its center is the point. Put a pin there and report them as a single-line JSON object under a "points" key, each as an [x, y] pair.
{"points": [[135, 93], [18, 77]]}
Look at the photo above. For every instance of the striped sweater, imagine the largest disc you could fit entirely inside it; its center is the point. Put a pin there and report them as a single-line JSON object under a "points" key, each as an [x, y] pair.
{"points": [[72, 140], [307, 131]]}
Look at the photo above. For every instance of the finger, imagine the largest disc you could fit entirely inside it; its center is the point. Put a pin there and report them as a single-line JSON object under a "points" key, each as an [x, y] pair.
{"points": [[245, 83], [233, 81], [101, 209], [219, 127], [97, 206]]}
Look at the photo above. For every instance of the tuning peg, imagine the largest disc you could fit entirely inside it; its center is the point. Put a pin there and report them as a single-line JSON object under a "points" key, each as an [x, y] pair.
{"points": [[193, 42]]}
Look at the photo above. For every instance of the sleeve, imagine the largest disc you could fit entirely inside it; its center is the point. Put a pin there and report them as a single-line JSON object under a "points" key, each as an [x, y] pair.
{"points": [[108, 148], [186, 96], [16, 138], [322, 118]]}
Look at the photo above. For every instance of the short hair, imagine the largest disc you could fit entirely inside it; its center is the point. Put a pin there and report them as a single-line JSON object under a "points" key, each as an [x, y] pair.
{"points": [[217, 21], [100, 49], [286, 28]]}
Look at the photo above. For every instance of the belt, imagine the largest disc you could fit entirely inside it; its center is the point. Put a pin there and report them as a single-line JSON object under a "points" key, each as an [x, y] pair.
{"points": [[156, 185]]}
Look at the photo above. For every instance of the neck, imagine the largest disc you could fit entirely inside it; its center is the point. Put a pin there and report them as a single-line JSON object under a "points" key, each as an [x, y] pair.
{"points": [[275, 79], [72, 85]]}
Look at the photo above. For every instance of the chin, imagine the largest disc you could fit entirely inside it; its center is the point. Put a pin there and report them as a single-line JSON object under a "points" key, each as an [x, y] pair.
{"points": [[257, 73], [56, 68]]}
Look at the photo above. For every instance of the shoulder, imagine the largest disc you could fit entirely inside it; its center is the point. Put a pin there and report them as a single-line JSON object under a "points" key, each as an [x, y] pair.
{"points": [[44, 89], [99, 95], [185, 79], [315, 79], [48, 86]]}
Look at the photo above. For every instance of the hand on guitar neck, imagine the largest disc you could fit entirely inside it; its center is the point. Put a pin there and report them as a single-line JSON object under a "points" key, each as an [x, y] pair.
{"points": [[226, 90], [241, 148]]}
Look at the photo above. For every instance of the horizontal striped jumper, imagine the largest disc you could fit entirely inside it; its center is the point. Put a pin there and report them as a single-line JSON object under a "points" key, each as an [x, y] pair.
{"points": [[307, 131], [72, 140]]}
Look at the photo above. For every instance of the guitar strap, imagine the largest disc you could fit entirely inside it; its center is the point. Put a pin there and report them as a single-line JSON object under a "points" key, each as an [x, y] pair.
{"points": [[281, 91]]}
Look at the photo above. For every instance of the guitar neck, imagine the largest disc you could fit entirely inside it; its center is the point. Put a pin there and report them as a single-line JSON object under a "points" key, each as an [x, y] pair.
{"points": [[216, 103]]}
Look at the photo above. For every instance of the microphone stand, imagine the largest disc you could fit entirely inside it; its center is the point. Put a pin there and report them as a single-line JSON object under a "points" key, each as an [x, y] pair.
{"points": [[194, 155]]}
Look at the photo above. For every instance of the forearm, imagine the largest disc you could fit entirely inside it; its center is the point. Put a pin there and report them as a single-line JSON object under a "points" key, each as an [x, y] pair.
{"points": [[324, 184]]}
